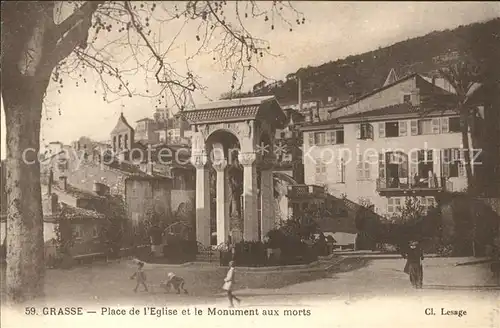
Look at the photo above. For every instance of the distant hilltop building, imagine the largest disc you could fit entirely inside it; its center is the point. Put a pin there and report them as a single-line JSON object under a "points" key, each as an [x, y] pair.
{"points": [[163, 128]]}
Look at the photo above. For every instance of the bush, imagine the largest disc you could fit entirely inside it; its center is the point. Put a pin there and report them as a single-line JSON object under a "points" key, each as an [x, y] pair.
{"points": [[293, 250], [250, 253], [180, 251]]}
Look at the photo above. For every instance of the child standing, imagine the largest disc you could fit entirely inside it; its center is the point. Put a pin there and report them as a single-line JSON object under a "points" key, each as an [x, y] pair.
{"points": [[175, 282], [140, 277], [228, 284]]}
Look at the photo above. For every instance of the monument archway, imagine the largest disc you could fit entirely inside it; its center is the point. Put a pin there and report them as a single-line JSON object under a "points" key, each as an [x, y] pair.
{"points": [[253, 123]]}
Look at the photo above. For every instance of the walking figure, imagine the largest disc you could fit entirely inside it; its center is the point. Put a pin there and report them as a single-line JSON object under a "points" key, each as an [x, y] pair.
{"points": [[228, 285], [414, 255], [140, 277], [174, 282]]}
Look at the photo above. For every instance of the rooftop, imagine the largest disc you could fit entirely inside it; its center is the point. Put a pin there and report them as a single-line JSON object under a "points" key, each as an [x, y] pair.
{"points": [[404, 109], [239, 102], [237, 110], [122, 125], [69, 212]]}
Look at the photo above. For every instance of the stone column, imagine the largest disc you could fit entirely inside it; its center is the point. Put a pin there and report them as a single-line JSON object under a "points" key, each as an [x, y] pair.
{"points": [[202, 199], [266, 201], [250, 214], [222, 200]]}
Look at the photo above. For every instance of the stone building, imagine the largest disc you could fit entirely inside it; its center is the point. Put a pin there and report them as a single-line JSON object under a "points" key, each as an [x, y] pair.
{"points": [[151, 180]]}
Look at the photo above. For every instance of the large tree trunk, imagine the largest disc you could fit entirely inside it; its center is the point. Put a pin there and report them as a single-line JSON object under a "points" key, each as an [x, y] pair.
{"points": [[25, 252], [464, 125]]}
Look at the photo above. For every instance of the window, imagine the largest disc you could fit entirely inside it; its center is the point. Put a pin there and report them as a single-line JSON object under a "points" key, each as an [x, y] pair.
{"points": [[334, 137], [95, 232], [425, 127], [392, 129], [427, 203], [319, 138], [454, 124], [363, 168], [394, 205], [78, 231], [406, 98], [340, 136], [340, 171], [320, 172], [364, 131], [452, 165]]}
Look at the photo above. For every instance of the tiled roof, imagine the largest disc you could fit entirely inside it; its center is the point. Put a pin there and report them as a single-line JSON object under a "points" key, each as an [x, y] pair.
{"points": [[239, 102], [331, 123], [70, 213], [243, 108], [77, 192], [132, 170], [398, 109], [205, 115]]}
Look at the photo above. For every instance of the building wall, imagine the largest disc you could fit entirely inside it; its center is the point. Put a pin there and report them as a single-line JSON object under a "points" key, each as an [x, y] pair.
{"points": [[390, 96], [366, 189], [144, 195]]}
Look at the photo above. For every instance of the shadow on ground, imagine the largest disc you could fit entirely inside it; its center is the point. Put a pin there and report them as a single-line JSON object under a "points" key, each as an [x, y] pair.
{"points": [[106, 281]]}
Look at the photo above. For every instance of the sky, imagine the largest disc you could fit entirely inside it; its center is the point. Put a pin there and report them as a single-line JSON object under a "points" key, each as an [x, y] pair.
{"points": [[332, 30]]}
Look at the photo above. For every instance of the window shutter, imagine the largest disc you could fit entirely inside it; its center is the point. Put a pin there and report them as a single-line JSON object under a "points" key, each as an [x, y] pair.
{"points": [[328, 138], [381, 166], [333, 137], [358, 131], [414, 127], [413, 163], [435, 125], [436, 161], [402, 128], [403, 166], [359, 167], [370, 131], [311, 138], [367, 166], [339, 170], [381, 130], [445, 165], [445, 125]]}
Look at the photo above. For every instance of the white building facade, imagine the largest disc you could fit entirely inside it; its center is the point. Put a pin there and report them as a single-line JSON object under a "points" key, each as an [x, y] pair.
{"points": [[382, 148]]}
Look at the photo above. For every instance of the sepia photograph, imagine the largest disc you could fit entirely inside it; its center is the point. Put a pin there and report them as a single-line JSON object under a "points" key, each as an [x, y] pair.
{"points": [[243, 163]]}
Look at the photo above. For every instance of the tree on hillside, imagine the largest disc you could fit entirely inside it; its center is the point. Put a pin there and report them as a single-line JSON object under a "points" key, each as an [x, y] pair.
{"points": [[48, 43]]}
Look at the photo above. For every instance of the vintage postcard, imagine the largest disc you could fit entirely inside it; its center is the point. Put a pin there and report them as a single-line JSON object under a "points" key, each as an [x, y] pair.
{"points": [[244, 163]]}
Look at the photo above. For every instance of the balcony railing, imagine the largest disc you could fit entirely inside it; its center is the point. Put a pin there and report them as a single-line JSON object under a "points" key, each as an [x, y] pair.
{"points": [[297, 191], [406, 184]]}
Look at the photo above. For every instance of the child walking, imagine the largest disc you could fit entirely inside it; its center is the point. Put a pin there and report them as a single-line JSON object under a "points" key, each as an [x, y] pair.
{"points": [[175, 282], [228, 285], [140, 277]]}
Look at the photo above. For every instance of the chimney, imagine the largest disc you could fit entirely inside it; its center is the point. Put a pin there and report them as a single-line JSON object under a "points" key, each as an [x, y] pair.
{"points": [[300, 94], [64, 182]]}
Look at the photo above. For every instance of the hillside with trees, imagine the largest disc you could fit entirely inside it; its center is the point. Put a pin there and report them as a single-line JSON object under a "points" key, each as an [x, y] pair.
{"points": [[355, 75]]}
